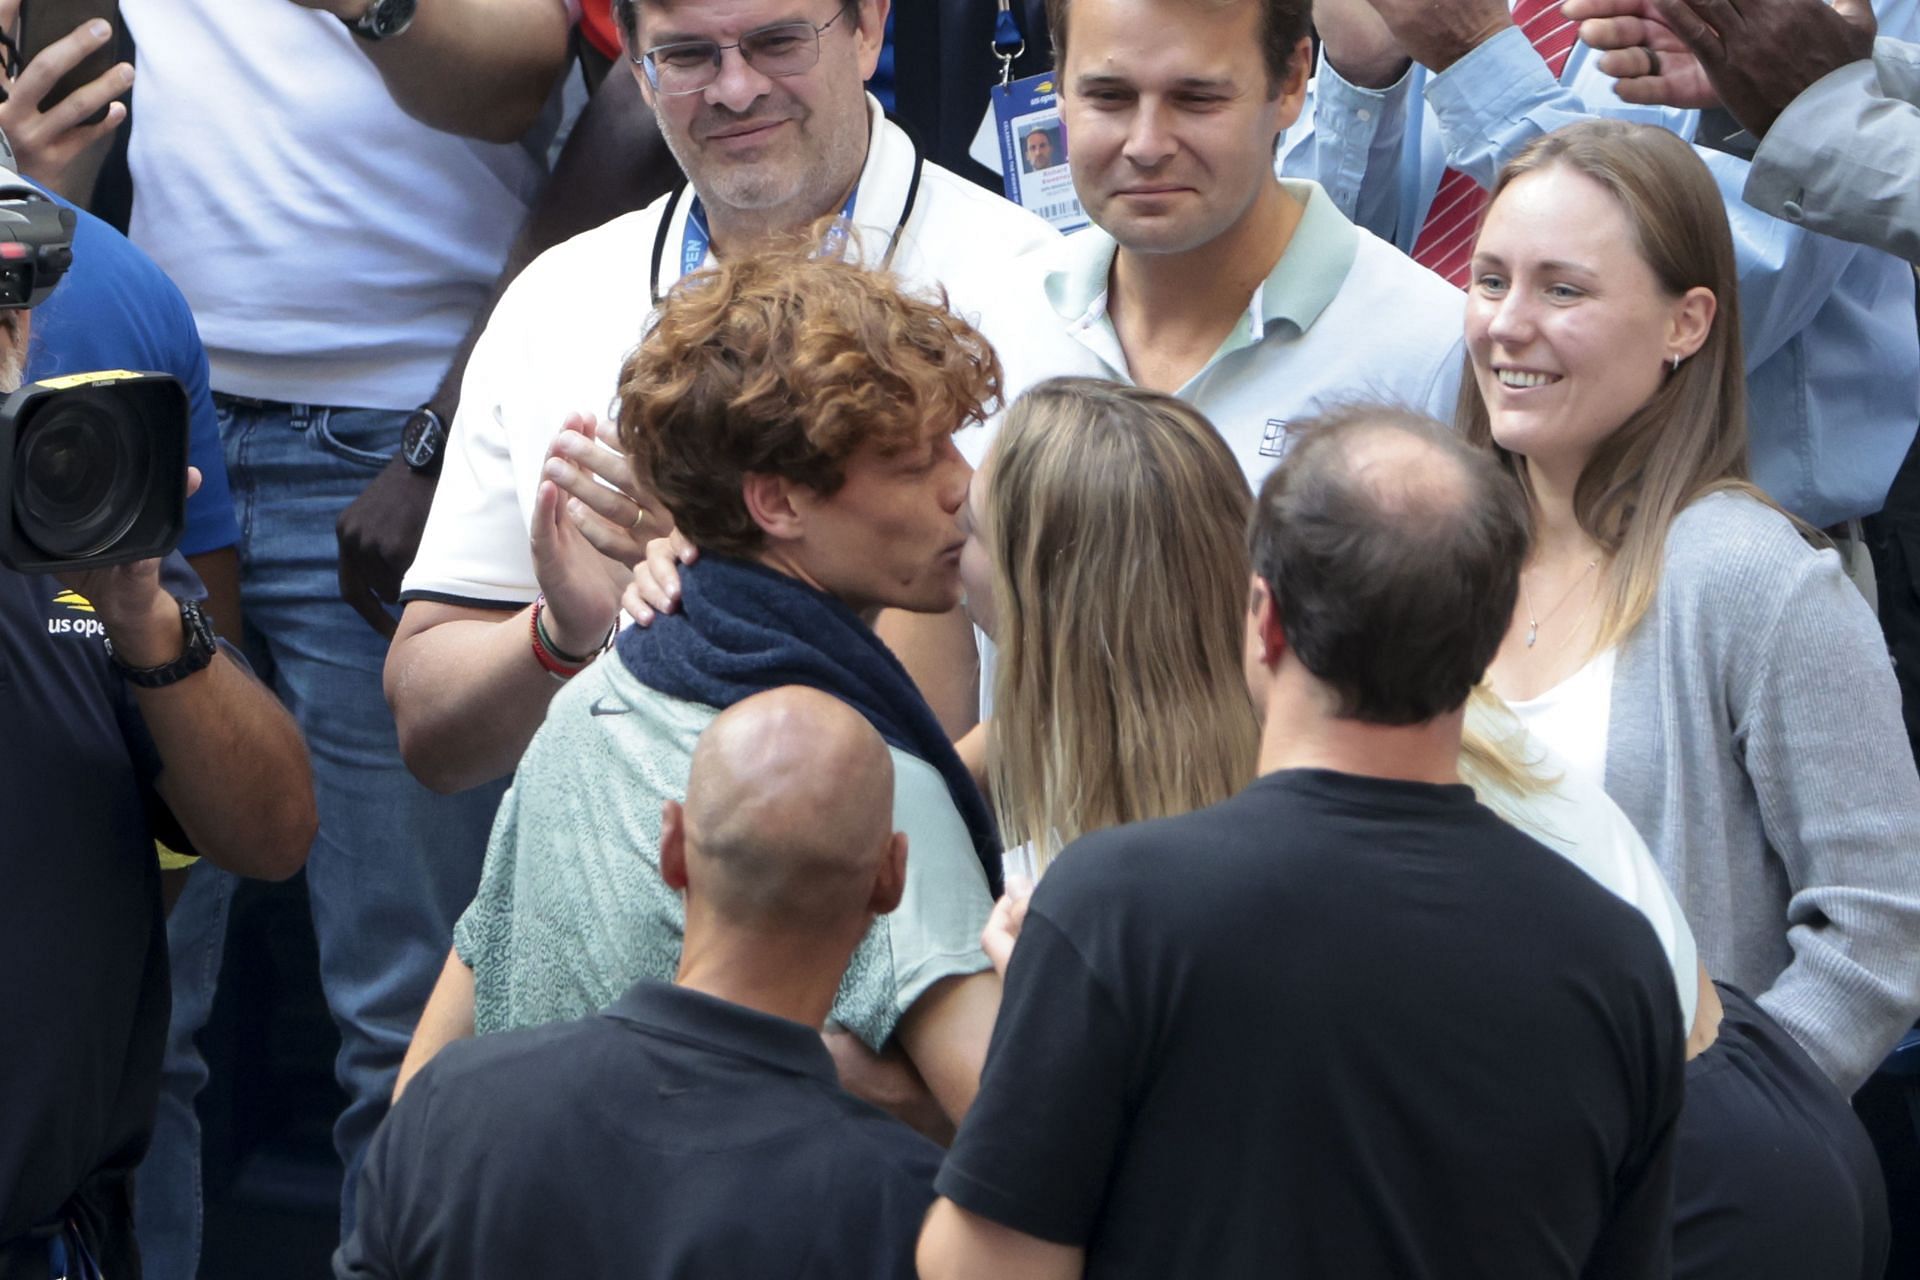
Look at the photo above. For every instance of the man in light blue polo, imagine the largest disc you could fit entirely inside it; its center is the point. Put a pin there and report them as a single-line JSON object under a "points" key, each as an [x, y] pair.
{"points": [[1204, 275]]}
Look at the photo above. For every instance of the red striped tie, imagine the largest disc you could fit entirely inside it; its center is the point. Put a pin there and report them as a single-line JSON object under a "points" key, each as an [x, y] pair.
{"points": [[1445, 243]]}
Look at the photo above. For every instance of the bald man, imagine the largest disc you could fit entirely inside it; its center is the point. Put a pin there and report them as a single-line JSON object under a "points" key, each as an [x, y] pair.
{"points": [[696, 1128]]}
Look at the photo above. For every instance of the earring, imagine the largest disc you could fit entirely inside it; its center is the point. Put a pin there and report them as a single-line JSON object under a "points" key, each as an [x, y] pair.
{"points": [[1674, 359]]}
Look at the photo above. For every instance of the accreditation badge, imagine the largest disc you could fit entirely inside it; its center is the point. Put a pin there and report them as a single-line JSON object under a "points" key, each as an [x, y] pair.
{"points": [[1033, 151]]}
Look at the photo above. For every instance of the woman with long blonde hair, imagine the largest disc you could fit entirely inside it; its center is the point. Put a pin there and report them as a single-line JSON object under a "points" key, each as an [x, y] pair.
{"points": [[1116, 542], [1679, 641]]}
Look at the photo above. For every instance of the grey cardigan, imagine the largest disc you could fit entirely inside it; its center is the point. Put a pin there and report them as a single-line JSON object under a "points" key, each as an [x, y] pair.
{"points": [[1756, 742]]}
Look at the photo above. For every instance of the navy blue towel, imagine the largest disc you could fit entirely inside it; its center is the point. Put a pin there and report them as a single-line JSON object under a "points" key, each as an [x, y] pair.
{"points": [[742, 629]]}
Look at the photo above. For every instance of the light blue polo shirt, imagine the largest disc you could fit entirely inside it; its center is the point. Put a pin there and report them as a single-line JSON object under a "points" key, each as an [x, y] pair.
{"points": [[1342, 316]]}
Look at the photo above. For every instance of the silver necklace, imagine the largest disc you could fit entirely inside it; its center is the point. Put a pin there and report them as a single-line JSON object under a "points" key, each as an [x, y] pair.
{"points": [[1533, 622]]}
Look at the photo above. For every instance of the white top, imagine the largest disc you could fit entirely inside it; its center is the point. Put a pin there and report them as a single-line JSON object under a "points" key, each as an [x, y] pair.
{"points": [[557, 340], [1572, 719], [333, 248], [1576, 819], [1342, 316]]}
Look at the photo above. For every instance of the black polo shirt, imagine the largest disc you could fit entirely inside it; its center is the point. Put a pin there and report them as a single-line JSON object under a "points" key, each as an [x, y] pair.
{"points": [[672, 1135], [83, 959]]}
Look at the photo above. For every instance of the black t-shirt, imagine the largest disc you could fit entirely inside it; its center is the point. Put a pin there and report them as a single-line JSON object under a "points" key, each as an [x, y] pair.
{"points": [[674, 1135], [83, 962], [1332, 1026]]}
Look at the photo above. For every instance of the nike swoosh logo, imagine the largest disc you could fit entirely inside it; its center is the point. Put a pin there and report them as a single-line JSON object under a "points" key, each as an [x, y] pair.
{"points": [[604, 706]]}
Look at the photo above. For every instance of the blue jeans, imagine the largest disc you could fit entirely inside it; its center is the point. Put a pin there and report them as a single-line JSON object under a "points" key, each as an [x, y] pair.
{"points": [[393, 865]]}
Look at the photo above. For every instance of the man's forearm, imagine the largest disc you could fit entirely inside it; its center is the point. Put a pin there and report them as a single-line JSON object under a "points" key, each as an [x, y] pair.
{"points": [[946, 1034], [958, 1245], [480, 68], [466, 692], [234, 770], [447, 1017]]}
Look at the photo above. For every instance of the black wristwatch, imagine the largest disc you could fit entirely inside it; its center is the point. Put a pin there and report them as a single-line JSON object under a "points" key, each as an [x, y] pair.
{"points": [[423, 441], [198, 654], [383, 20]]}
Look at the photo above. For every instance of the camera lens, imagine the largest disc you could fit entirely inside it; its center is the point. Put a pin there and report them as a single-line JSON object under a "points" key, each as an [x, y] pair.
{"points": [[81, 474]]}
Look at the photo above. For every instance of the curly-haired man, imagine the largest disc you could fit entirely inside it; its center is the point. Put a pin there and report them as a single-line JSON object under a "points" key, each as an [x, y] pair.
{"points": [[797, 417]]}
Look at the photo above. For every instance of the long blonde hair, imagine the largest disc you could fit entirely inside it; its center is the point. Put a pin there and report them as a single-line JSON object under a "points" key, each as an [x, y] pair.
{"points": [[1116, 521], [1690, 438]]}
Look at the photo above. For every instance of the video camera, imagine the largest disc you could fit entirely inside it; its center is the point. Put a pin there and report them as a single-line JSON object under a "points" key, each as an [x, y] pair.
{"points": [[93, 471], [36, 243], [92, 466]]}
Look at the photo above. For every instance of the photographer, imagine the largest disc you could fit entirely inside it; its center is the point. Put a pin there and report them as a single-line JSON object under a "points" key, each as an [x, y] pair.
{"points": [[126, 724]]}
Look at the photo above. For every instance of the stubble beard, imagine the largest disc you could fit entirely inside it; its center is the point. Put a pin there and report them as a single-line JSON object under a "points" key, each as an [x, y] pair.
{"points": [[786, 190]]}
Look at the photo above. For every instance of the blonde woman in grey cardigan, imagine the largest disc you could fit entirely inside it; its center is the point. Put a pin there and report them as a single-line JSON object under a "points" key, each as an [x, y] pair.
{"points": [[1678, 637]]}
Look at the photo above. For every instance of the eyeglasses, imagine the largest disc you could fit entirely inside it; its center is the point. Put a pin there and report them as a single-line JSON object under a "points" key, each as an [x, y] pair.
{"points": [[783, 49]]}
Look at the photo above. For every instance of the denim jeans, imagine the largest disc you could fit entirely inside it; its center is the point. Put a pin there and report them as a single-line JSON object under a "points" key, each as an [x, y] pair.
{"points": [[393, 865]]}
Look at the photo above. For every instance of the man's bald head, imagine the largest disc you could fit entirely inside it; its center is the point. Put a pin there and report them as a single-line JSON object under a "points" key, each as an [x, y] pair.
{"points": [[789, 815], [1393, 552]]}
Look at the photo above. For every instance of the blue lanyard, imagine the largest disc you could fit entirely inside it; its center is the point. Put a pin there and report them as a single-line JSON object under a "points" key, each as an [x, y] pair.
{"points": [[697, 242], [693, 249]]}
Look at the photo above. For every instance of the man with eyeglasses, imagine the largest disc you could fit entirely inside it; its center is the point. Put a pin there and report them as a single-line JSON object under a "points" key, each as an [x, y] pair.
{"points": [[761, 102]]}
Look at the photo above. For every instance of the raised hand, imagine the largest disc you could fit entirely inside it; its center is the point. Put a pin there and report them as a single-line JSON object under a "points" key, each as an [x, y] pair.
{"points": [[1762, 54], [581, 559], [141, 619], [618, 516], [1654, 66], [655, 587], [1438, 33], [47, 144], [1358, 43]]}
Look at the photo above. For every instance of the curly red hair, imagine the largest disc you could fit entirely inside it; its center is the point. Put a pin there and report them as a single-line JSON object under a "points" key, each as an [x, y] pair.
{"points": [[785, 363]]}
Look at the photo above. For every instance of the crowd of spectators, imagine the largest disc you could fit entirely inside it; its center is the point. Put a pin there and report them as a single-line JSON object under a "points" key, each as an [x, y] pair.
{"points": [[1332, 722]]}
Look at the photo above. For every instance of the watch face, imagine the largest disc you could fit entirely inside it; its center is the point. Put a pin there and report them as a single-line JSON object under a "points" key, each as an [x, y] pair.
{"points": [[388, 18], [420, 443]]}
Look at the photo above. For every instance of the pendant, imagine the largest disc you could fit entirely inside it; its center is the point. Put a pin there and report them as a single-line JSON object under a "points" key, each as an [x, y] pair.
{"points": [[1533, 632]]}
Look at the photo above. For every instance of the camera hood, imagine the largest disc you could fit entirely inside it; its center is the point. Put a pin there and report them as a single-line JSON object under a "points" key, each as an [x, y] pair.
{"points": [[93, 471]]}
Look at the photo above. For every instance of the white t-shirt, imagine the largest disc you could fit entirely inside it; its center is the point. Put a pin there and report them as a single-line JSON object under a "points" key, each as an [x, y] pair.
{"points": [[1578, 820], [1573, 719], [558, 338], [334, 249]]}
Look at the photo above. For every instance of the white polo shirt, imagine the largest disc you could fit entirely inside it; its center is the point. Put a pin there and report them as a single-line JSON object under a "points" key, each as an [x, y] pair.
{"points": [[561, 332], [1342, 316]]}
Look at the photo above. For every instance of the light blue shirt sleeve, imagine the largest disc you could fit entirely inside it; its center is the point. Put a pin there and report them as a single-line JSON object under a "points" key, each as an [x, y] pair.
{"points": [[1844, 158], [935, 931], [1352, 145]]}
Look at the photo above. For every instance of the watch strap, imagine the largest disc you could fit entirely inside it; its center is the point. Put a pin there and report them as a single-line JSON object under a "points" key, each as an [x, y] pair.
{"points": [[196, 657]]}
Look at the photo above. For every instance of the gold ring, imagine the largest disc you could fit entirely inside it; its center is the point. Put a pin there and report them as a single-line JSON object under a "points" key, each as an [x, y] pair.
{"points": [[639, 514]]}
